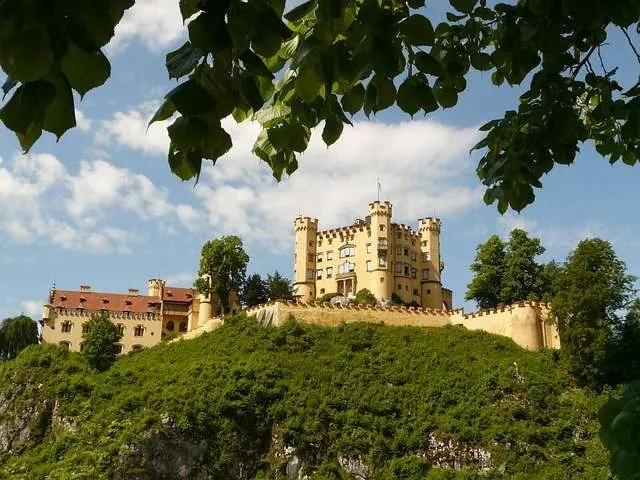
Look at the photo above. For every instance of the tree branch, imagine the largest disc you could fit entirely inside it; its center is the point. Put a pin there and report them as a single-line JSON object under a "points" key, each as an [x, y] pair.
{"points": [[582, 62], [624, 30]]}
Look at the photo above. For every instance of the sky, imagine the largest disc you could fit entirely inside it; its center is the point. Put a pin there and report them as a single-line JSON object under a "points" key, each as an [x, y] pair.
{"points": [[102, 208]]}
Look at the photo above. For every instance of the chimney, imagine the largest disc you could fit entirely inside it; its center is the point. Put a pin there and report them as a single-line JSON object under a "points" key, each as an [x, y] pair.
{"points": [[85, 288], [133, 292]]}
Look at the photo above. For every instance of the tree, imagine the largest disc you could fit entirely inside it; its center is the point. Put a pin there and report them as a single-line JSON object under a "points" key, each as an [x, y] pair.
{"points": [[223, 266], [254, 291], [522, 274], [592, 289], [485, 287], [623, 351], [16, 334], [365, 297], [279, 287], [326, 60], [101, 341]]}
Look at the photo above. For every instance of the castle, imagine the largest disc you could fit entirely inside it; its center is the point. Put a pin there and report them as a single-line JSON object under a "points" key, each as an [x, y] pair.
{"points": [[374, 253], [388, 259], [143, 319]]}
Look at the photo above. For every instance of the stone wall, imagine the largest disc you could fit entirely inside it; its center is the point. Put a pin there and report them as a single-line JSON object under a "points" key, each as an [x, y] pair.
{"points": [[523, 322]]}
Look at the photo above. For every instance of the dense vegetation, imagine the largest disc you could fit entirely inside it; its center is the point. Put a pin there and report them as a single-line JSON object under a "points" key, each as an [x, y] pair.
{"points": [[16, 334], [226, 404]]}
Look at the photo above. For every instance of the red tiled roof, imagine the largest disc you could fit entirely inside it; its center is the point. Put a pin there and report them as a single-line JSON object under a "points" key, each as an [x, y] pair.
{"points": [[92, 301], [178, 294]]}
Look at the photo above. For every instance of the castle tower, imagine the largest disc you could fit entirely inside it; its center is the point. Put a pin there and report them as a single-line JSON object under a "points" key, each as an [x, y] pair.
{"points": [[205, 310], [380, 215], [155, 287], [305, 258], [431, 282]]}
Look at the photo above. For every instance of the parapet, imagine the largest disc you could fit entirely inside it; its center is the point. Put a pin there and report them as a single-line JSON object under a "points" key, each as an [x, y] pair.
{"points": [[429, 224], [305, 223], [380, 208]]}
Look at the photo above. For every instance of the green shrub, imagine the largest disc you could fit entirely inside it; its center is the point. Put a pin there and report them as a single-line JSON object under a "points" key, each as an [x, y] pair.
{"points": [[365, 297]]}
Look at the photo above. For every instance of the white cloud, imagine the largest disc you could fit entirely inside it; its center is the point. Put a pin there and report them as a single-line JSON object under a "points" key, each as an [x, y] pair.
{"points": [[82, 122], [32, 308], [155, 23], [423, 166]]}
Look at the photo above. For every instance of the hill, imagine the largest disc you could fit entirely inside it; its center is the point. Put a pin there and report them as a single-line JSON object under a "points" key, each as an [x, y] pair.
{"points": [[249, 402]]}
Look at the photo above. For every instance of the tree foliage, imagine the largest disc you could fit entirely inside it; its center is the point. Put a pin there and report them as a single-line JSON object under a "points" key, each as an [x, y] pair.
{"points": [[254, 291], [324, 61], [591, 290], [365, 297], [100, 341], [16, 334], [279, 287], [223, 266], [508, 272]]}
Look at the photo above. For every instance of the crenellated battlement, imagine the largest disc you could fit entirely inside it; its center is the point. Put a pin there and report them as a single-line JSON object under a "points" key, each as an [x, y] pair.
{"points": [[429, 224], [305, 223]]}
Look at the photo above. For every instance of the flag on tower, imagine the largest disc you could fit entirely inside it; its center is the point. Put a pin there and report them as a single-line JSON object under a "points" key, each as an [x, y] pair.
{"points": [[379, 188]]}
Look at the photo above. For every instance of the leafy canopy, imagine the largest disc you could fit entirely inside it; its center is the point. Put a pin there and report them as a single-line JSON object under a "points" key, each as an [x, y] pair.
{"points": [[100, 341], [223, 267], [325, 61], [16, 334]]}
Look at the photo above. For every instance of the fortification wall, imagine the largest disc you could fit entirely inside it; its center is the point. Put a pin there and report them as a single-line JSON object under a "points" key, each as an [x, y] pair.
{"points": [[525, 322]]}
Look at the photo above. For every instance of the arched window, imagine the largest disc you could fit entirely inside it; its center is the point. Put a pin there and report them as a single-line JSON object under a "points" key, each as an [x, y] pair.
{"points": [[170, 325], [138, 331], [183, 326], [66, 326]]}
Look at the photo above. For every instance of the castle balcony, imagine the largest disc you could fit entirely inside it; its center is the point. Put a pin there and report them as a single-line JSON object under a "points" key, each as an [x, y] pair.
{"points": [[340, 276]]}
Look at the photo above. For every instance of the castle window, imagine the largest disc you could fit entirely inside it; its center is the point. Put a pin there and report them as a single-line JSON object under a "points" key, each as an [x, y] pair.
{"points": [[428, 292], [425, 274], [329, 272], [310, 274], [369, 266], [170, 325], [319, 257], [329, 255], [138, 331], [182, 327], [381, 279], [319, 243], [311, 243], [406, 252], [415, 291], [368, 248], [406, 269], [118, 348], [382, 260], [414, 255], [85, 328], [66, 327], [81, 346], [424, 243], [399, 287], [425, 257], [310, 257], [346, 267], [399, 267], [322, 290], [398, 251], [382, 228], [347, 252], [406, 287], [120, 329], [414, 273], [319, 274]]}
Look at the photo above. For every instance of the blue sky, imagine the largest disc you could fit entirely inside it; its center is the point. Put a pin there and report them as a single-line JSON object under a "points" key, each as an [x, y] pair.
{"points": [[101, 207]]}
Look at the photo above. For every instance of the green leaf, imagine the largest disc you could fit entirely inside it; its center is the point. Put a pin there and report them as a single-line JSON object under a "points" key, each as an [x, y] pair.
{"points": [[190, 98], [187, 132], [188, 8], [301, 11], [352, 100], [332, 130], [217, 142], [209, 33], [251, 93], [445, 94], [426, 63], [186, 164], [385, 92], [254, 65], [27, 56], [25, 110], [417, 29], [464, 6], [308, 83], [60, 116], [182, 61], [266, 43], [289, 48], [164, 111], [84, 70], [280, 136], [481, 61], [406, 98], [90, 25], [416, 3]]}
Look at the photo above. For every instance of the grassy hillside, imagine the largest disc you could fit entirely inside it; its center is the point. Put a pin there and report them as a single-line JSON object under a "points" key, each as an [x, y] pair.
{"points": [[251, 402]]}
